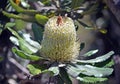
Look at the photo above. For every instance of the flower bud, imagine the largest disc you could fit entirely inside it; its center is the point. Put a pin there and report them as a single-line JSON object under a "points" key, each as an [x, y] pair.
{"points": [[59, 40]]}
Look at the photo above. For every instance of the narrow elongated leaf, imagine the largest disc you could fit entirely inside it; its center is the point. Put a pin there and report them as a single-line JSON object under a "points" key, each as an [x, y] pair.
{"points": [[10, 24], [21, 10], [97, 59], [55, 70], [29, 47], [90, 71], [38, 32], [33, 70], [14, 40], [30, 41], [91, 79], [41, 19], [25, 55], [85, 25], [92, 52], [64, 75], [107, 63], [82, 45]]}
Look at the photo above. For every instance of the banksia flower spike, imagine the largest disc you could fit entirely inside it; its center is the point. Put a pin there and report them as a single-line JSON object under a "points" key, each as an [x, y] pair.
{"points": [[59, 40]]}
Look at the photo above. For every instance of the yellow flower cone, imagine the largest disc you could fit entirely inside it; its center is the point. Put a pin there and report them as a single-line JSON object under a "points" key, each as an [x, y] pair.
{"points": [[59, 40]]}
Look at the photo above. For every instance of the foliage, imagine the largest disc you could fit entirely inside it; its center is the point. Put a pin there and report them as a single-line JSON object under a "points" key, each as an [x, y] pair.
{"points": [[89, 71]]}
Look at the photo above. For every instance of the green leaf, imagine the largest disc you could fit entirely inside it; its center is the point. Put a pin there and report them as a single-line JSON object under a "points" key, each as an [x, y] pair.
{"points": [[37, 31], [76, 3], [21, 10], [31, 42], [14, 32], [82, 45], [107, 63], [91, 79], [19, 24], [29, 46], [24, 17], [25, 55], [92, 52], [97, 59], [85, 25], [90, 71], [10, 24], [103, 31], [41, 19], [64, 75], [55, 70], [33, 70], [14, 40]]}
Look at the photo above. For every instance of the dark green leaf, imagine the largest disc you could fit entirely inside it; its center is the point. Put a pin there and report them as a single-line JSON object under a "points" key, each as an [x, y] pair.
{"points": [[25, 55], [91, 79], [97, 59], [85, 25], [33, 70], [64, 75], [38, 32], [92, 52], [82, 45]]}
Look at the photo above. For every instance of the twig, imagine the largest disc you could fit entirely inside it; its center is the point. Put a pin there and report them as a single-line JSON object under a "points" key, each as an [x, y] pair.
{"points": [[13, 61]]}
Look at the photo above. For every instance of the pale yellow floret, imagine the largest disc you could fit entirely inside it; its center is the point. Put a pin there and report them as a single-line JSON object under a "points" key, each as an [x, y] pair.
{"points": [[59, 41]]}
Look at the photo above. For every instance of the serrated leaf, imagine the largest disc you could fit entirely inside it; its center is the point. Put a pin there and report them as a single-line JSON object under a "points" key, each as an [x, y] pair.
{"points": [[97, 59], [91, 79], [25, 55], [41, 19], [55, 70], [108, 63], [64, 75], [33, 70], [90, 71], [92, 52], [29, 47]]}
